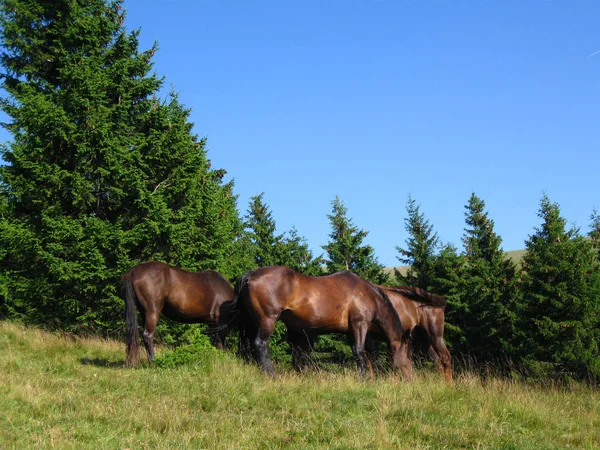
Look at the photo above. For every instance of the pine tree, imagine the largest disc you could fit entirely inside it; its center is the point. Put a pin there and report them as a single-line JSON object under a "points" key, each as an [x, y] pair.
{"points": [[487, 287], [421, 246], [271, 249], [594, 233], [298, 256], [446, 281], [100, 174], [346, 250], [561, 300], [267, 245]]}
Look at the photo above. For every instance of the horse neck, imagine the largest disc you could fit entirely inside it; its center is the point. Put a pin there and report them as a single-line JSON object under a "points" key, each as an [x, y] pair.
{"points": [[389, 322], [421, 315]]}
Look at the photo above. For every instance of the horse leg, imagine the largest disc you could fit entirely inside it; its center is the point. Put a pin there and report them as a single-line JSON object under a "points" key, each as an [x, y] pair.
{"points": [[218, 339], [435, 358], [150, 321], [359, 334], [444, 360], [245, 343], [260, 344], [370, 354], [301, 346], [400, 355]]}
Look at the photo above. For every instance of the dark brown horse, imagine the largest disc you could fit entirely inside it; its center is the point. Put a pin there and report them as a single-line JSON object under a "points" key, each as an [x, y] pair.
{"points": [[338, 303], [191, 297], [418, 308]]}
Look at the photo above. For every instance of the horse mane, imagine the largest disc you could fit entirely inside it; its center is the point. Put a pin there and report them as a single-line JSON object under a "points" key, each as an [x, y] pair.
{"points": [[420, 295]]}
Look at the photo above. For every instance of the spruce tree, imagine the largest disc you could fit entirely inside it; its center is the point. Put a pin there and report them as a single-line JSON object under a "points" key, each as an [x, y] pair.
{"points": [[447, 264], [561, 300], [421, 246], [346, 250], [594, 233], [100, 173], [271, 249], [487, 288], [267, 245], [297, 255]]}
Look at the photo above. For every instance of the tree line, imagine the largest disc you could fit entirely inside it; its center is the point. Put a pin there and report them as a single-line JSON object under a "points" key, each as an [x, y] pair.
{"points": [[101, 174]]}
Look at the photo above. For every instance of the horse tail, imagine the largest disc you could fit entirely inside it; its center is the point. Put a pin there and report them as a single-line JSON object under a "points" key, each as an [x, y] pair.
{"points": [[233, 309], [240, 291], [131, 325], [240, 284]]}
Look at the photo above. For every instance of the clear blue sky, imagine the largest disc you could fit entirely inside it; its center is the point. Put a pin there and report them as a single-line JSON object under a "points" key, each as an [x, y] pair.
{"points": [[373, 100]]}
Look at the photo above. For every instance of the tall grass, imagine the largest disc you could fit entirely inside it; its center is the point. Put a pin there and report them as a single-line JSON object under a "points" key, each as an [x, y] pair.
{"points": [[59, 392]]}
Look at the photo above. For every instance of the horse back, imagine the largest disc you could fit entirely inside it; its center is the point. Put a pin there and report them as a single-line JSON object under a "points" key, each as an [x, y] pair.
{"points": [[180, 294], [325, 303]]}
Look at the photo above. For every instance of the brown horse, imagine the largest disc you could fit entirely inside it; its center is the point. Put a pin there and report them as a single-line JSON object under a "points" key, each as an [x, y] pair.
{"points": [[418, 308], [191, 297], [338, 303]]}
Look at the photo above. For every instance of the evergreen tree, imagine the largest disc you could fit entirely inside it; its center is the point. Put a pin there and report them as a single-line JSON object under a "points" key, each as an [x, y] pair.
{"points": [[487, 288], [561, 295], [346, 250], [298, 256], [447, 264], [271, 249], [594, 233], [421, 246], [267, 245], [100, 174]]}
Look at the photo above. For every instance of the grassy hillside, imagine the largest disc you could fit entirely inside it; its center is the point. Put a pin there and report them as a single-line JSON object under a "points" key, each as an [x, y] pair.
{"points": [[59, 392], [515, 255]]}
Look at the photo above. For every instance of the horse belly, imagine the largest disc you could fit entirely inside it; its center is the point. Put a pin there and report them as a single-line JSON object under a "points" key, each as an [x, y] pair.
{"points": [[322, 319], [186, 309]]}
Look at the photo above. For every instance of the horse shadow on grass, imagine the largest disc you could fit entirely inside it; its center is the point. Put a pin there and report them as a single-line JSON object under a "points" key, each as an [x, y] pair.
{"points": [[101, 362]]}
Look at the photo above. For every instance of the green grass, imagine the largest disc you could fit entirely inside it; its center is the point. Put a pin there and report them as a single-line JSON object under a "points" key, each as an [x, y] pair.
{"points": [[59, 392]]}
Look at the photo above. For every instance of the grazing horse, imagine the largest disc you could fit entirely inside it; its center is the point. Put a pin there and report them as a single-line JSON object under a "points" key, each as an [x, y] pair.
{"points": [[155, 287], [418, 308], [338, 303]]}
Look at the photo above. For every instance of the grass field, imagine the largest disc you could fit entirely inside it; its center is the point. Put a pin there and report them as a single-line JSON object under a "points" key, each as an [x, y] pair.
{"points": [[60, 392]]}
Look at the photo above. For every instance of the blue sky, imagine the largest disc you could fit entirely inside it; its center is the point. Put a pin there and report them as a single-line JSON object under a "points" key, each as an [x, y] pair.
{"points": [[373, 100]]}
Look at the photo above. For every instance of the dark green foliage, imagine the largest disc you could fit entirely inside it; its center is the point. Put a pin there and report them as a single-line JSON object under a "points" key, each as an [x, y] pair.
{"points": [[297, 255], [486, 288], [267, 246], [421, 246], [346, 250], [561, 300], [100, 174], [445, 281], [271, 249], [195, 349]]}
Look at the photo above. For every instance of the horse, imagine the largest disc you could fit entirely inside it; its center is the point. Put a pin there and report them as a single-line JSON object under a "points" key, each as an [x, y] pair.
{"points": [[191, 297], [338, 303], [418, 308]]}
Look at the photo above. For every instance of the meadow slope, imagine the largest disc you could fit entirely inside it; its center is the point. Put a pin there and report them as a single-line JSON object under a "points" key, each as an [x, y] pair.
{"points": [[60, 392]]}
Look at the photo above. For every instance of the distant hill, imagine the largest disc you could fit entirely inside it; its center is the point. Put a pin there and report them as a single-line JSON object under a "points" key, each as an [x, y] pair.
{"points": [[515, 255]]}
